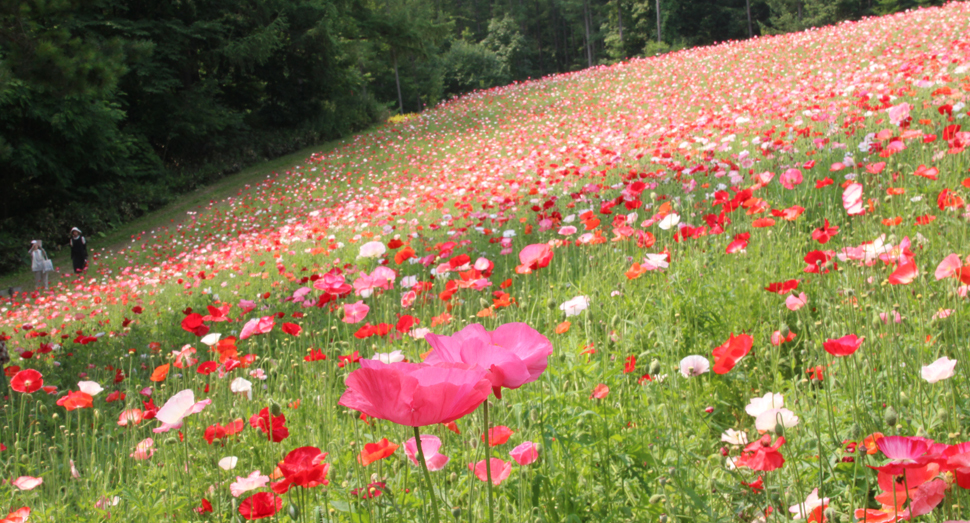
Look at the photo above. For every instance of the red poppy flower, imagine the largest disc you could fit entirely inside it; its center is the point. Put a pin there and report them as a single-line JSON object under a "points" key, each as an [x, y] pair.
{"points": [[372, 490], [783, 287], [824, 233], [727, 355], [260, 505], [193, 323], [630, 365], [273, 426], [315, 355], [27, 381], [217, 431], [292, 329], [844, 346], [302, 467], [205, 507], [207, 368], [376, 451]]}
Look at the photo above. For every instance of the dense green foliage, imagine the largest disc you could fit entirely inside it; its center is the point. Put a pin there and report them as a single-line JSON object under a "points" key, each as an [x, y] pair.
{"points": [[109, 108]]}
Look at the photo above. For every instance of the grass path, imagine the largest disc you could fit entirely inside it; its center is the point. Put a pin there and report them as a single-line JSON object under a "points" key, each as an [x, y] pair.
{"points": [[170, 215]]}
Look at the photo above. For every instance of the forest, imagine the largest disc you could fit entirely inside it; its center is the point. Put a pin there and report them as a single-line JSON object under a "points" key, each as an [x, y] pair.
{"points": [[111, 108]]}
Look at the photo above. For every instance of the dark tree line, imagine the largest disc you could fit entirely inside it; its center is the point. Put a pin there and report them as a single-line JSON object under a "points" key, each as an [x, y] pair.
{"points": [[110, 108]]}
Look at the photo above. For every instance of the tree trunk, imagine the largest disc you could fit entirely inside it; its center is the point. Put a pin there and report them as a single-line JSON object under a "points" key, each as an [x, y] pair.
{"points": [[659, 36], [539, 37], [589, 42], [747, 6], [397, 79], [799, 10], [619, 19]]}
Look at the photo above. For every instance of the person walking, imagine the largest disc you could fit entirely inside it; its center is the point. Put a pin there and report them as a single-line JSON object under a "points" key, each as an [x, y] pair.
{"points": [[39, 263], [79, 251]]}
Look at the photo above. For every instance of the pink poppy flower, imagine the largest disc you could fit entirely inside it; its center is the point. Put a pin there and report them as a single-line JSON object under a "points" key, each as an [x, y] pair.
{"points": [[852, 199], [949, 267], [247, 306], [500, 470], [429, 445], [415, 394], [796, 302], [525, 454], [144, 449], [177, 408], [534, 257], [30, 483], [905, 452], [513, 354], [251, 482], [257, 326], [939, 370], [355, 312], [790, 178]]}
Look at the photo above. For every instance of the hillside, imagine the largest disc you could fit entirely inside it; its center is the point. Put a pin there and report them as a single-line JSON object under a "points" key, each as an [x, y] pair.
{"points": [[760, 239]]}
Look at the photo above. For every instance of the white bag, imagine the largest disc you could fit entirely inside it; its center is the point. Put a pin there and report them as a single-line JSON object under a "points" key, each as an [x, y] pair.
{"points": [[48, 264]]}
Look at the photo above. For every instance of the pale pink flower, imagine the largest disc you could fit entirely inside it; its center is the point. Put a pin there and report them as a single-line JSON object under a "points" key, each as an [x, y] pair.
{"points": [[790, 178], [429, 445], [796, 302], [372, 250], [27, 482], [355, 312], [177, 408], [694, 365], [144, 449], [251, 482], [940, 369]]}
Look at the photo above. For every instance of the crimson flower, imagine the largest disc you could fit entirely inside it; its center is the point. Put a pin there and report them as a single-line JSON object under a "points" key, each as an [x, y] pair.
{"points": [[292, 329], [193, 323], [260, 505], [844, 346], [273, 426], [27, 381], [783, 287], [824, 233], [372, 490], [214, 432], [204, 508], [302, 467]]}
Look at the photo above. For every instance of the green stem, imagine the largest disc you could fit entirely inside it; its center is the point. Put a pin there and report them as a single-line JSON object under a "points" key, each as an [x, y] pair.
{"points": [[488, 465], [427, 475]]}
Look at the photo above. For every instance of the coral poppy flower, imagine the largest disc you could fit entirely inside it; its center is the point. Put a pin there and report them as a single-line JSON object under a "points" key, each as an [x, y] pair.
{"points": [[376, 451], [513, 354], [415, 394], [844, 346], [27, 381], [600, 391], [500, 470], [76, 400], [727, 355], [498, 435], [762, 455], [160, 373], [17, 516], [302, 467], [260, 505], [904, 274]]}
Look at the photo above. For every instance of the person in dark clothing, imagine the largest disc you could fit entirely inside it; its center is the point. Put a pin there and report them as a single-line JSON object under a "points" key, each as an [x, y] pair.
{"points": [[79, 250]]}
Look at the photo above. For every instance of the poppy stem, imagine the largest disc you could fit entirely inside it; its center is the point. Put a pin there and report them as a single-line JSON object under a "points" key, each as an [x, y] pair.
{"points": [[488, 463], [427, 475]]}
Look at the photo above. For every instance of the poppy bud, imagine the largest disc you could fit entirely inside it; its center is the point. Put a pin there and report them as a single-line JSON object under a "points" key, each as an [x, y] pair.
{"points": [[831, 515], [551, 303], [473, 443], [890, 417], [170, 440], [662, 480], [42, 409], [283, 388], [654, 367], [456, 512], [662, 518], [784, 330], [293, 511], [275, 409], [779, 429], [656, 498], [903, 399], [484, 303], [856, 431], [534, 415], [921, 433], [453, 478]]}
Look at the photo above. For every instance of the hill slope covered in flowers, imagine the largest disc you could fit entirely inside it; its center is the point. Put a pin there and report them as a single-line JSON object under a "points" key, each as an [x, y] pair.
{"points": [[726, 283]]}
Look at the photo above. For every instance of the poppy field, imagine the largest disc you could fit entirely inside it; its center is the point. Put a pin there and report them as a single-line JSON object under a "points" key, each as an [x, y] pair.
{"points": [[724, 284]]}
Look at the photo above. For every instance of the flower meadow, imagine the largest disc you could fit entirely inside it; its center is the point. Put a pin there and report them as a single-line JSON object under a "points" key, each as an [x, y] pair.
{"points": [[724, 284]]}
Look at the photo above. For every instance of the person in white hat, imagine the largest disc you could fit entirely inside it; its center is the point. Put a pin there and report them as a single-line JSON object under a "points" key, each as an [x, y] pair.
{"points": [[38, 263], [79, 251]]}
